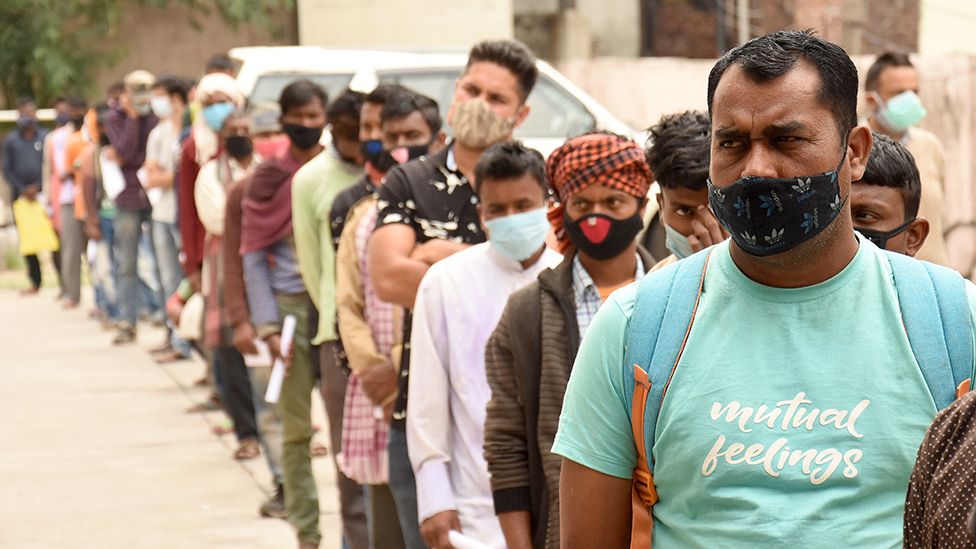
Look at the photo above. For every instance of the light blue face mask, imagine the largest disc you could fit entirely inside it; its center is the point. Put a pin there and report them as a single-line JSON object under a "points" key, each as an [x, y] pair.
{"points": [[902, 111], [215, 114], [677, 243], [519, 236]]}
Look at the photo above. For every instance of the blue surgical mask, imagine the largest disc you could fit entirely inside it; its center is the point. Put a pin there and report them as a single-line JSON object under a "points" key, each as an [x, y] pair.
{"points": [[519, 236], [677, 243], [901, 111], [215, 114]]}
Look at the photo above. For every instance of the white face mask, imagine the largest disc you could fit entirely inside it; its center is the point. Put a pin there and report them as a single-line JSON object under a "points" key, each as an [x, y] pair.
{"points": [[161, 105], [677, 243]]}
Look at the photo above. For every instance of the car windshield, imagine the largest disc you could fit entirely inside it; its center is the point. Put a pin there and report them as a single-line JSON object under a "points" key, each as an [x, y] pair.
{"points": [[554, 112], [268, 86]]}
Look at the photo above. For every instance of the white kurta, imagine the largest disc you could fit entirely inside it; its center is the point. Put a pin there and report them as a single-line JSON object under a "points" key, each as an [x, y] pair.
{"points": [[459, 303]]}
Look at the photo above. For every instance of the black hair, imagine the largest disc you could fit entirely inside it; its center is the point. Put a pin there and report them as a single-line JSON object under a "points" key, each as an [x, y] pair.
{"points": [[344, 112], [775, 54], [408, 102], [300, 93], [173, 86], [25, 101], [509, 160], [679, 150], [115, 89], [884, 61], [220, 62], [891, 165], [383, 92], [101, 113], [59, 99], [511, 54], [77, 102]]}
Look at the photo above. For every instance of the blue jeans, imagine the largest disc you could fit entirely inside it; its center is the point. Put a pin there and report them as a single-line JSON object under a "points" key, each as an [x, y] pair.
{"points": [[269, 423], [166, 241], [149, 284], [128, 233], [404, 488], [105, 271]]}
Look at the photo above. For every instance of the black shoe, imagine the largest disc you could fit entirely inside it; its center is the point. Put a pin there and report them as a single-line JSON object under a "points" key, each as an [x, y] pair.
{"points": [[275, 507], [125, 336]]}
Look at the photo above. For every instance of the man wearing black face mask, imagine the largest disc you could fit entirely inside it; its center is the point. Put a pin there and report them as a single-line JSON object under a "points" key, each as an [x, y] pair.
{"points": [[315, 187], [268, 247], [773, 388], [602, 182], [371, 145]]}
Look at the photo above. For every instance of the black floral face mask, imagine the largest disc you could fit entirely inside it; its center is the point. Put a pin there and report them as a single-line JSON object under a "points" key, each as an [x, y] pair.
{"points": [[769, 215]]}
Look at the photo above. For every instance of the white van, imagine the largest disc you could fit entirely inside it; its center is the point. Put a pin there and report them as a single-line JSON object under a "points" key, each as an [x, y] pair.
{"points": [[560, 109]]}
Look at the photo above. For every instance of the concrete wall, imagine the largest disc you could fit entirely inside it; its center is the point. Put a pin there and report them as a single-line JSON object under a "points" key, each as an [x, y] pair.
{"points": [[639, 91], [947, 27], [403, 24], [613, 25], [164, 42]]}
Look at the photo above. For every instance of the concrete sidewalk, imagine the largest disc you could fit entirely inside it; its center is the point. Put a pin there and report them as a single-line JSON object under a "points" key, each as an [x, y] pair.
{"points": [[97, 450]]}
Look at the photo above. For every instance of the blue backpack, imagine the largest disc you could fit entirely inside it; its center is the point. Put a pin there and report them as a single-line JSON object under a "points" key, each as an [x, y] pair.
{"points": [[934, 308]]}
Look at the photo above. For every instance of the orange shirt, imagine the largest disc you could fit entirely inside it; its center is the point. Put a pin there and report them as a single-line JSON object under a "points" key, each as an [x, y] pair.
{"points": [[77, 142]]}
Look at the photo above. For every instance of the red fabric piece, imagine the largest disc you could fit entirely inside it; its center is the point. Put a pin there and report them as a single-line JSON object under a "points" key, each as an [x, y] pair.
{"points": [[594, 159], [267, 203], [192, 232]]}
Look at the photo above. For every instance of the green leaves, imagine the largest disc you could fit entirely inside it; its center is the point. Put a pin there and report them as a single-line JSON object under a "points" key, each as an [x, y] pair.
{"points": [[54, 47]]}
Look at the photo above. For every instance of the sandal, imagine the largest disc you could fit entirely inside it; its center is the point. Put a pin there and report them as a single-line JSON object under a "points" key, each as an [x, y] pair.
{"points": [[248, 449], [209, 405], [171, 356], [226, 427]]}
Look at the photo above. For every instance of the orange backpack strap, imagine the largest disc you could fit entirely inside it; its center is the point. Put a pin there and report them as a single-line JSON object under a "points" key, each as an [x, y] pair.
{"points": [[664, 311], [643, 493]]}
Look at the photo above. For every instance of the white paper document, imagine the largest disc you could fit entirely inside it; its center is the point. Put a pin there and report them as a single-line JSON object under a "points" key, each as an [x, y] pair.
{"points": [[460, 541], [278, 370]]}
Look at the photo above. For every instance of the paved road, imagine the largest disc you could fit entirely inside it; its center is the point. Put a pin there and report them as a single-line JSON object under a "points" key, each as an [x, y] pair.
{"points": [[98, 452]]}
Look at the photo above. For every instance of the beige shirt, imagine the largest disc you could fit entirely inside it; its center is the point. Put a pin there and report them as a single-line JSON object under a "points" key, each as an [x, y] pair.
{"points": [[930, 159]]}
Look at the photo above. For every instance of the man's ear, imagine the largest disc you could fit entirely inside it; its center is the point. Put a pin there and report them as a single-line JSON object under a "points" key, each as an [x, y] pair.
{"points": [[437, 144], [871, 101], [858, 148], [916, 234], [660, 200], [521, 114], [642, 207]]}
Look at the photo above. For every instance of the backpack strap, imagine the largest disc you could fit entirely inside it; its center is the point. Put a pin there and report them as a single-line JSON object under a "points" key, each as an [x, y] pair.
{"points": [[656, 334], [935, 312]]}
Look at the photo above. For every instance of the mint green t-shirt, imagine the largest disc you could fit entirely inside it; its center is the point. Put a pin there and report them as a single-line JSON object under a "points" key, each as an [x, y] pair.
{"points": [[793, 418]]}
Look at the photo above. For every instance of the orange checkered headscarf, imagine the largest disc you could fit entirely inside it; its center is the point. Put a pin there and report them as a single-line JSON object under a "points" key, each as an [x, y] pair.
{"points": [[595, 159]]}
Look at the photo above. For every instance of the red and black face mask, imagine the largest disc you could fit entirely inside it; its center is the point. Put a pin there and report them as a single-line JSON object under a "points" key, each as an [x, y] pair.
{"points": [[600, 236]]}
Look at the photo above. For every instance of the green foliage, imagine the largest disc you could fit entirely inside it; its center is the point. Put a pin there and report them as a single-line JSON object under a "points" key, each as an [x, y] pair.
{"points": [[50, 47]]}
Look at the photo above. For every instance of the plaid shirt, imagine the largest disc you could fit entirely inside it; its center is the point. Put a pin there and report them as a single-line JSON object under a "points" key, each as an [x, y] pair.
{"points": [[587, 295], [378, 313], [364, 457]]}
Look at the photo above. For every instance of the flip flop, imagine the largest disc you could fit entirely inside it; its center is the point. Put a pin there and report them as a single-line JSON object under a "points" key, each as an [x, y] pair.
{"points": [[248, 449]]}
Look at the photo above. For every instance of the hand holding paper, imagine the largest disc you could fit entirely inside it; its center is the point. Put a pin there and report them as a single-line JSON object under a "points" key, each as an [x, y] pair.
{"points": [[278, 370]]}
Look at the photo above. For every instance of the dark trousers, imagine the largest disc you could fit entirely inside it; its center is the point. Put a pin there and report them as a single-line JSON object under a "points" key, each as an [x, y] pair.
{"points": [[235, 392], [403, 485], [33, 270], [352, 503]]}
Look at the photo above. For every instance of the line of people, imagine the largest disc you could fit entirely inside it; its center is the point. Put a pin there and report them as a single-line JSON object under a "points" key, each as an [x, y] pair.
{"points": [[468, 309]]}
